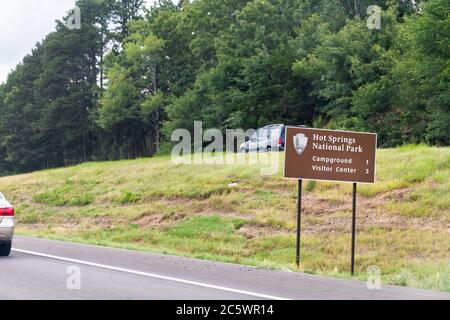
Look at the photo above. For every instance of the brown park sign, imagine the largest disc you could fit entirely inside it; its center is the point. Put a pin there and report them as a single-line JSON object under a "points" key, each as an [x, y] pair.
{"points": [[316, 154]]}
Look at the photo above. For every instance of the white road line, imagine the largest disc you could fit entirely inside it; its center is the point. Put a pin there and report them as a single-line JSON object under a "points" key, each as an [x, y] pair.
{"points": [[150, 275]]}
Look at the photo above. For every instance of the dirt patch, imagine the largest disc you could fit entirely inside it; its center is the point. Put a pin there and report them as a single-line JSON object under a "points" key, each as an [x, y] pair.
{"points": [[102, 222], [200, 207], [393, 195], [320, 207], [150, 220], [366, 218], [324, 215]]}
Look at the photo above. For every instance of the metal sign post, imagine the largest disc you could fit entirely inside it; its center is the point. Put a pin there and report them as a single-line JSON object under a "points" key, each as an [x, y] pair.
{"points": [[353, 229], [329, 155], [299, 219]]}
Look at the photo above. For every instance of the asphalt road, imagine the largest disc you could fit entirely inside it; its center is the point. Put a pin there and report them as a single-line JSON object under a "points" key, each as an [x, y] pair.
{"points": [[38, 269]]}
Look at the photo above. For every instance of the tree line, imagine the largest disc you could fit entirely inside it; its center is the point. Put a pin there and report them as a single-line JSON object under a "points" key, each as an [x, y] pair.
{"points": [[118, 87]]}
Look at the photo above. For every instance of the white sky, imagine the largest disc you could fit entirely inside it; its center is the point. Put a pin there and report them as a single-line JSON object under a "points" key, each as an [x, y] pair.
{"points": [[23, 23]]}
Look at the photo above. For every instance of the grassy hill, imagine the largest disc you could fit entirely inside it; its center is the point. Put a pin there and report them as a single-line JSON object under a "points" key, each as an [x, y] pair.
{"points": [[233, 214]]}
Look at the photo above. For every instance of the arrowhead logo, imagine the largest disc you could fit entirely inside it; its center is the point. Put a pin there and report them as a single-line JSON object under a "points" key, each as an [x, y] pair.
{"points": [[300, 143]]}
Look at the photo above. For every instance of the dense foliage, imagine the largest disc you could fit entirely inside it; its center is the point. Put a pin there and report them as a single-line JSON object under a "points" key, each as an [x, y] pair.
{"points": [[119, 86]]}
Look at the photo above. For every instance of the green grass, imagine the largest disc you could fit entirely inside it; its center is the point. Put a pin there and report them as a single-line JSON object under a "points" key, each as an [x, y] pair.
{"points": [[232, 213]]}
